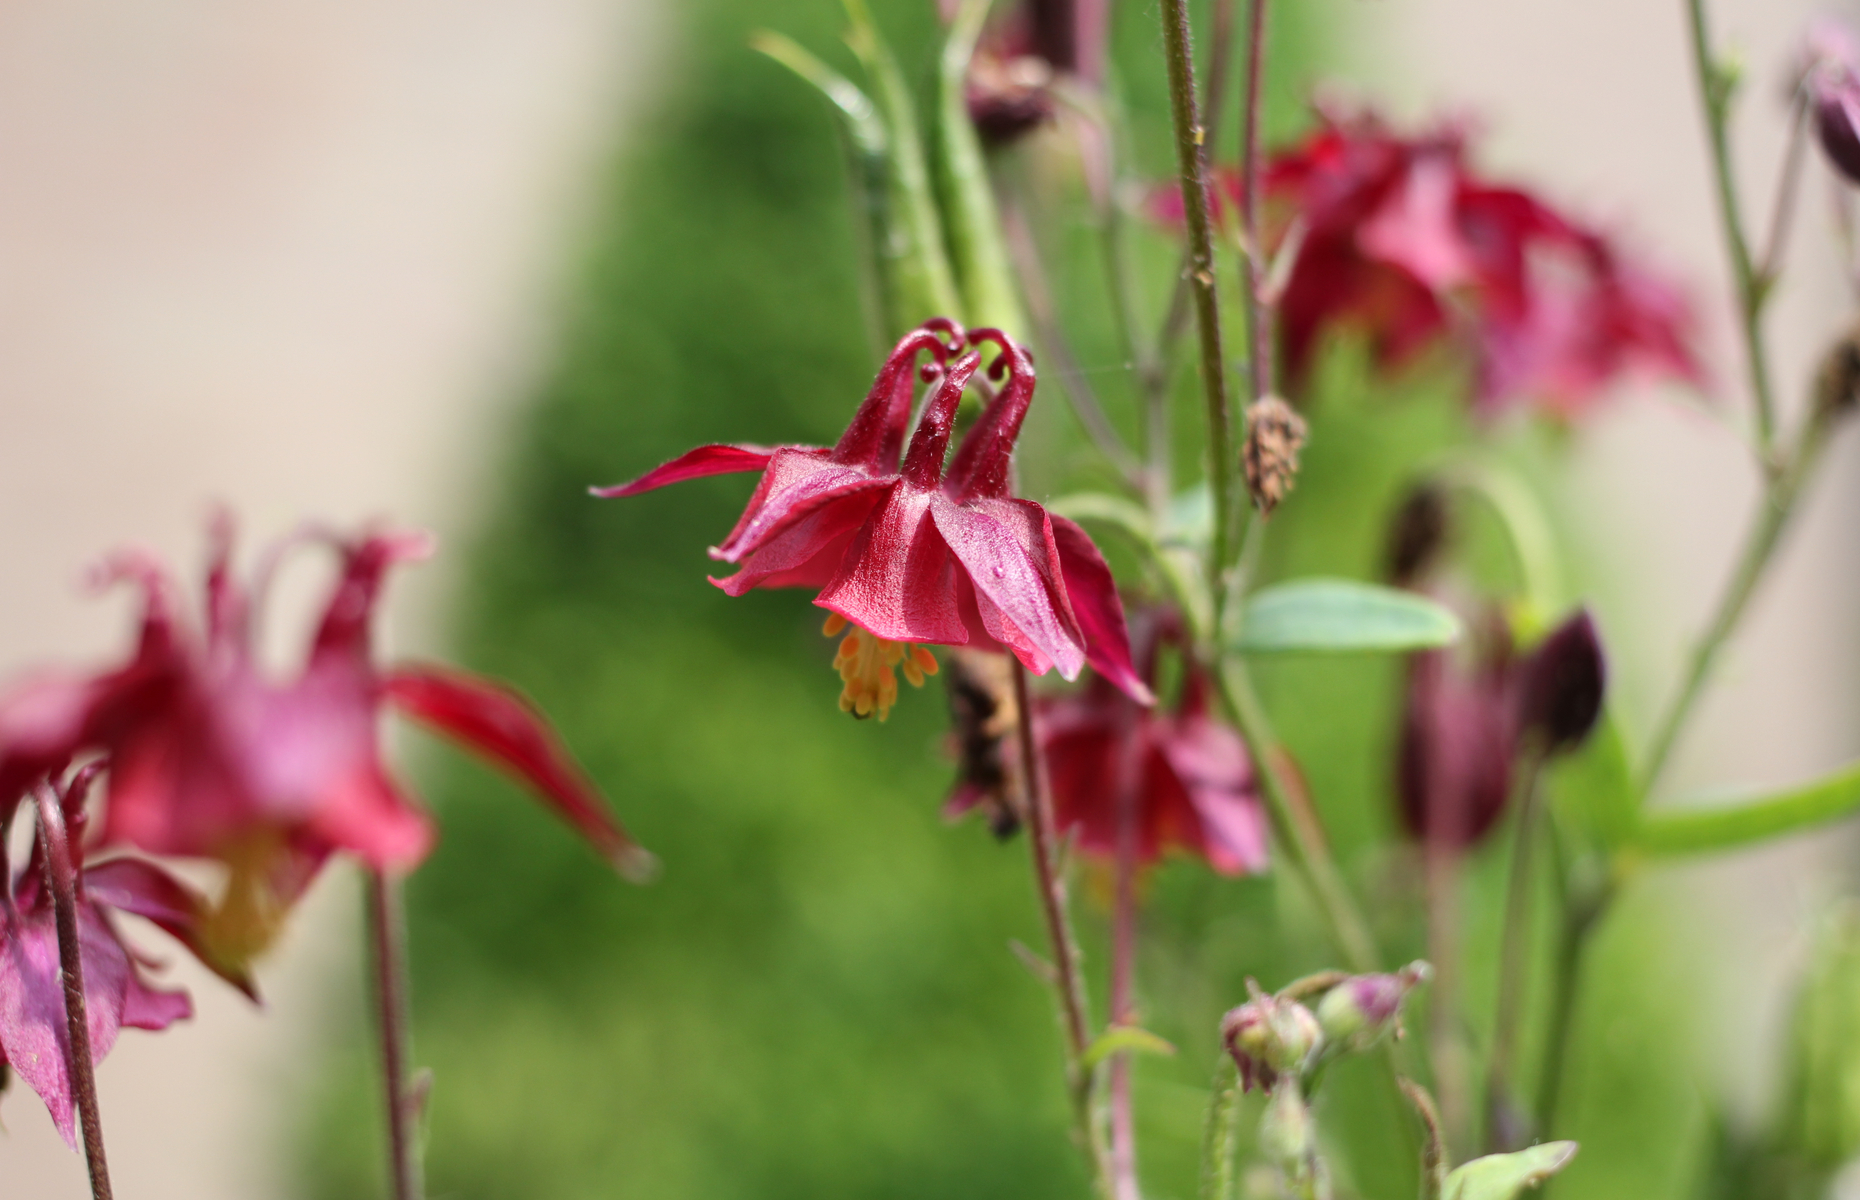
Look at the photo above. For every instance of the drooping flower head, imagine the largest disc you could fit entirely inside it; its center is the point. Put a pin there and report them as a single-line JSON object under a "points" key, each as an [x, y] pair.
{"points": [[1008, 91], [1829, 71], [211, 756], [910, 554], [1179, 776], [1397, 238]]}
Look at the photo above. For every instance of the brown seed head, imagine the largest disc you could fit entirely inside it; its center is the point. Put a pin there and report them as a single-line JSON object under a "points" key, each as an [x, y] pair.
{"points": [[1274, 434]]}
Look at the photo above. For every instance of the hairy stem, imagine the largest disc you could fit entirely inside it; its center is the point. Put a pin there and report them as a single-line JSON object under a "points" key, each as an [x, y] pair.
{"points": [[1715, 89], [1295, 825], [1220, 1132], [61, 880], [1191, 165], [1258, 314], [1069, 977], [388, 933]]}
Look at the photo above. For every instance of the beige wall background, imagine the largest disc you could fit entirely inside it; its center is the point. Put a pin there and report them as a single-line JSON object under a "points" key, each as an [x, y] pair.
{"points": [[291, 255]]}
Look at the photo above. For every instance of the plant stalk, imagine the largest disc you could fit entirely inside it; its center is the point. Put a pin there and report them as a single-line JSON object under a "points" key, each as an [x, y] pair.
{"points": [[1069, 978], [61, 879], [1502, 1131], [1191, 163], [1258, 314], [1220, 1132], [1124, 1184], [388, 932]]}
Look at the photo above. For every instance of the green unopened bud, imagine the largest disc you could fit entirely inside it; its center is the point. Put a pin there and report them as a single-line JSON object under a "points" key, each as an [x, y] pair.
{"points": [[1287, 1134], [1270, 1036], [1363, 1009]]}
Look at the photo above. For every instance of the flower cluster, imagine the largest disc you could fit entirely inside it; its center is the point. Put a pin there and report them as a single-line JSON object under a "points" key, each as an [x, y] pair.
{"points": [[916, 554], [1396, 237], [206, 756]]}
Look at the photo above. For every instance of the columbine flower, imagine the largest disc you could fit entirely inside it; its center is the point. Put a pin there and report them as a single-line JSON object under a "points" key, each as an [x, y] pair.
{"points": [[1009, 86], [33, 1033], [1194, 788], [1464, 723], [1400, 240], [914, 555], [211, 757]]}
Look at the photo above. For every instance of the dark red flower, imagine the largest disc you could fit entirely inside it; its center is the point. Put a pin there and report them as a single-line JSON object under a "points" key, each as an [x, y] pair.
{"points": [[1401, 241], [210, 756], [1008, 90], [1467, 719], [1186, 773], [916, 555], [33, 1032]]}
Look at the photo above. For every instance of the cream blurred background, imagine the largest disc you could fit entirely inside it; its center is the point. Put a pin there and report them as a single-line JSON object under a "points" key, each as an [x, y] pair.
{"points": [[292, 256]]}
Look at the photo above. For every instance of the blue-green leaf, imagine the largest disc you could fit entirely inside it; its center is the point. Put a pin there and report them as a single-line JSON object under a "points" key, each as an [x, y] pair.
{"points": [[1119, 1038], [1341, 616]]}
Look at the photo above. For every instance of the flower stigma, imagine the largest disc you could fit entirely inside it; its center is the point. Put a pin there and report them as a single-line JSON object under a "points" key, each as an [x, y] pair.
{"points": [[865, 665]]}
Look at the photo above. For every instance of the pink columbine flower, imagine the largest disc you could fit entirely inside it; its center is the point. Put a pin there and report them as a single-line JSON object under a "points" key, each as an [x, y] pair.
{"points": [[117, 993], [914, 555], [1400, 240], [1187, 774], [211, 756]]}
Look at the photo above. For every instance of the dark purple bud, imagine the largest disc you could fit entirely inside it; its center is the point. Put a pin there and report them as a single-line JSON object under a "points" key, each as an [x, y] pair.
{"points": [[1419, 532], [1830, 72], [1563, 683], [1008, 96]]}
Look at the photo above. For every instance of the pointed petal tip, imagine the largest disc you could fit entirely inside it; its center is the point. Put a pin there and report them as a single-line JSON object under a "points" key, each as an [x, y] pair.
{"points": [[635, 864]]}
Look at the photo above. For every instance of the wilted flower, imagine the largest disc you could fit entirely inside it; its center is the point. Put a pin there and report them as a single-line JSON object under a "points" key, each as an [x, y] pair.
{"points": [[210, 757], [1270, 1036], [1401, 241], [1274, 435], [916, 555], [1186, 774], [34, 1037], [1464, 723]]}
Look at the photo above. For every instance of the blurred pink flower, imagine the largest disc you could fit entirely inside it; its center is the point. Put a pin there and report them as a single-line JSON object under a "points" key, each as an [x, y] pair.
{"points": [[1830, 71], [1399, 239]]}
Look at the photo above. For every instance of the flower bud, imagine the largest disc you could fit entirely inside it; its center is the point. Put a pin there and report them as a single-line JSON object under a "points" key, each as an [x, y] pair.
{"points": [[1360, 1011], [1837, 383], [1419, 532], [1564, 680], [1269, 1036], [1830, 76], [1274, 434], [1288, 1135]]}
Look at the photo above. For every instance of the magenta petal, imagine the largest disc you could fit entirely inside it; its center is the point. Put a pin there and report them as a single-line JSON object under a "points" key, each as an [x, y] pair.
{"points": [[135, 886], [1211, 764], [1006, 547], [980, 467], [717, 459], [898, 580], [1100, 612], [796, 486], [807, 553], [498, 723]]}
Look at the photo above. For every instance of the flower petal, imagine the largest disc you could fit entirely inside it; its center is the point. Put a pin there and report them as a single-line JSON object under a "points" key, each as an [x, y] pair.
{"points": [[898, 579], [1092, 592], [797, 485], [715, 459], [1006, 548], [498, 723], [136, 886]]}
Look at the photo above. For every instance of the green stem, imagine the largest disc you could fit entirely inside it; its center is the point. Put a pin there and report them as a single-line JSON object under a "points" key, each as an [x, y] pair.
{"points": [[1715, 88], [1502, 1132], [1192, 167], [387, 925], [1220, 1131], [1258, 314], [1295, 825], [1578, 924]]}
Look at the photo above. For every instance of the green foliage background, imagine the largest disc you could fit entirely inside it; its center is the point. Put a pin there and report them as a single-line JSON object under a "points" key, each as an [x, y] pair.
{"points": [[818, 999]]}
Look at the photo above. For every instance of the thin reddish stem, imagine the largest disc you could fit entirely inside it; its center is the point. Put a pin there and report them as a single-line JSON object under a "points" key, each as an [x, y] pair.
{"points": [[1069, 978], [1259, 315], [61, 879], [388, 932], [1124, 1185]]}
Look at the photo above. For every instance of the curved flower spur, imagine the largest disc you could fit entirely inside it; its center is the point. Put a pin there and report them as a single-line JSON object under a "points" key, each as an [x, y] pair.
{"points": [[912, 555]]}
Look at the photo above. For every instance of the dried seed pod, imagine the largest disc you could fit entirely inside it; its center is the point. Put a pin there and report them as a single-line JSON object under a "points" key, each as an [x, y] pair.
{"points": [[1274, 434], [1837, 383]]}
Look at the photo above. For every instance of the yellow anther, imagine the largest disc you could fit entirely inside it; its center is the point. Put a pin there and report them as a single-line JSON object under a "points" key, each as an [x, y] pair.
{"points": [[865, 664]]}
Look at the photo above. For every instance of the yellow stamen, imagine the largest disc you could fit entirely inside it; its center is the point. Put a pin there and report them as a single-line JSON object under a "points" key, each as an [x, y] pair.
{"points": [[865, 665]]}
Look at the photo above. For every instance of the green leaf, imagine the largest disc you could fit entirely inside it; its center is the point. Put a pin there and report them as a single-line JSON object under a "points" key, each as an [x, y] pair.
{"points": [[1723, 827], [1341, 616], [1119, 1038], [1594, 788], [1503, 1176]]}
